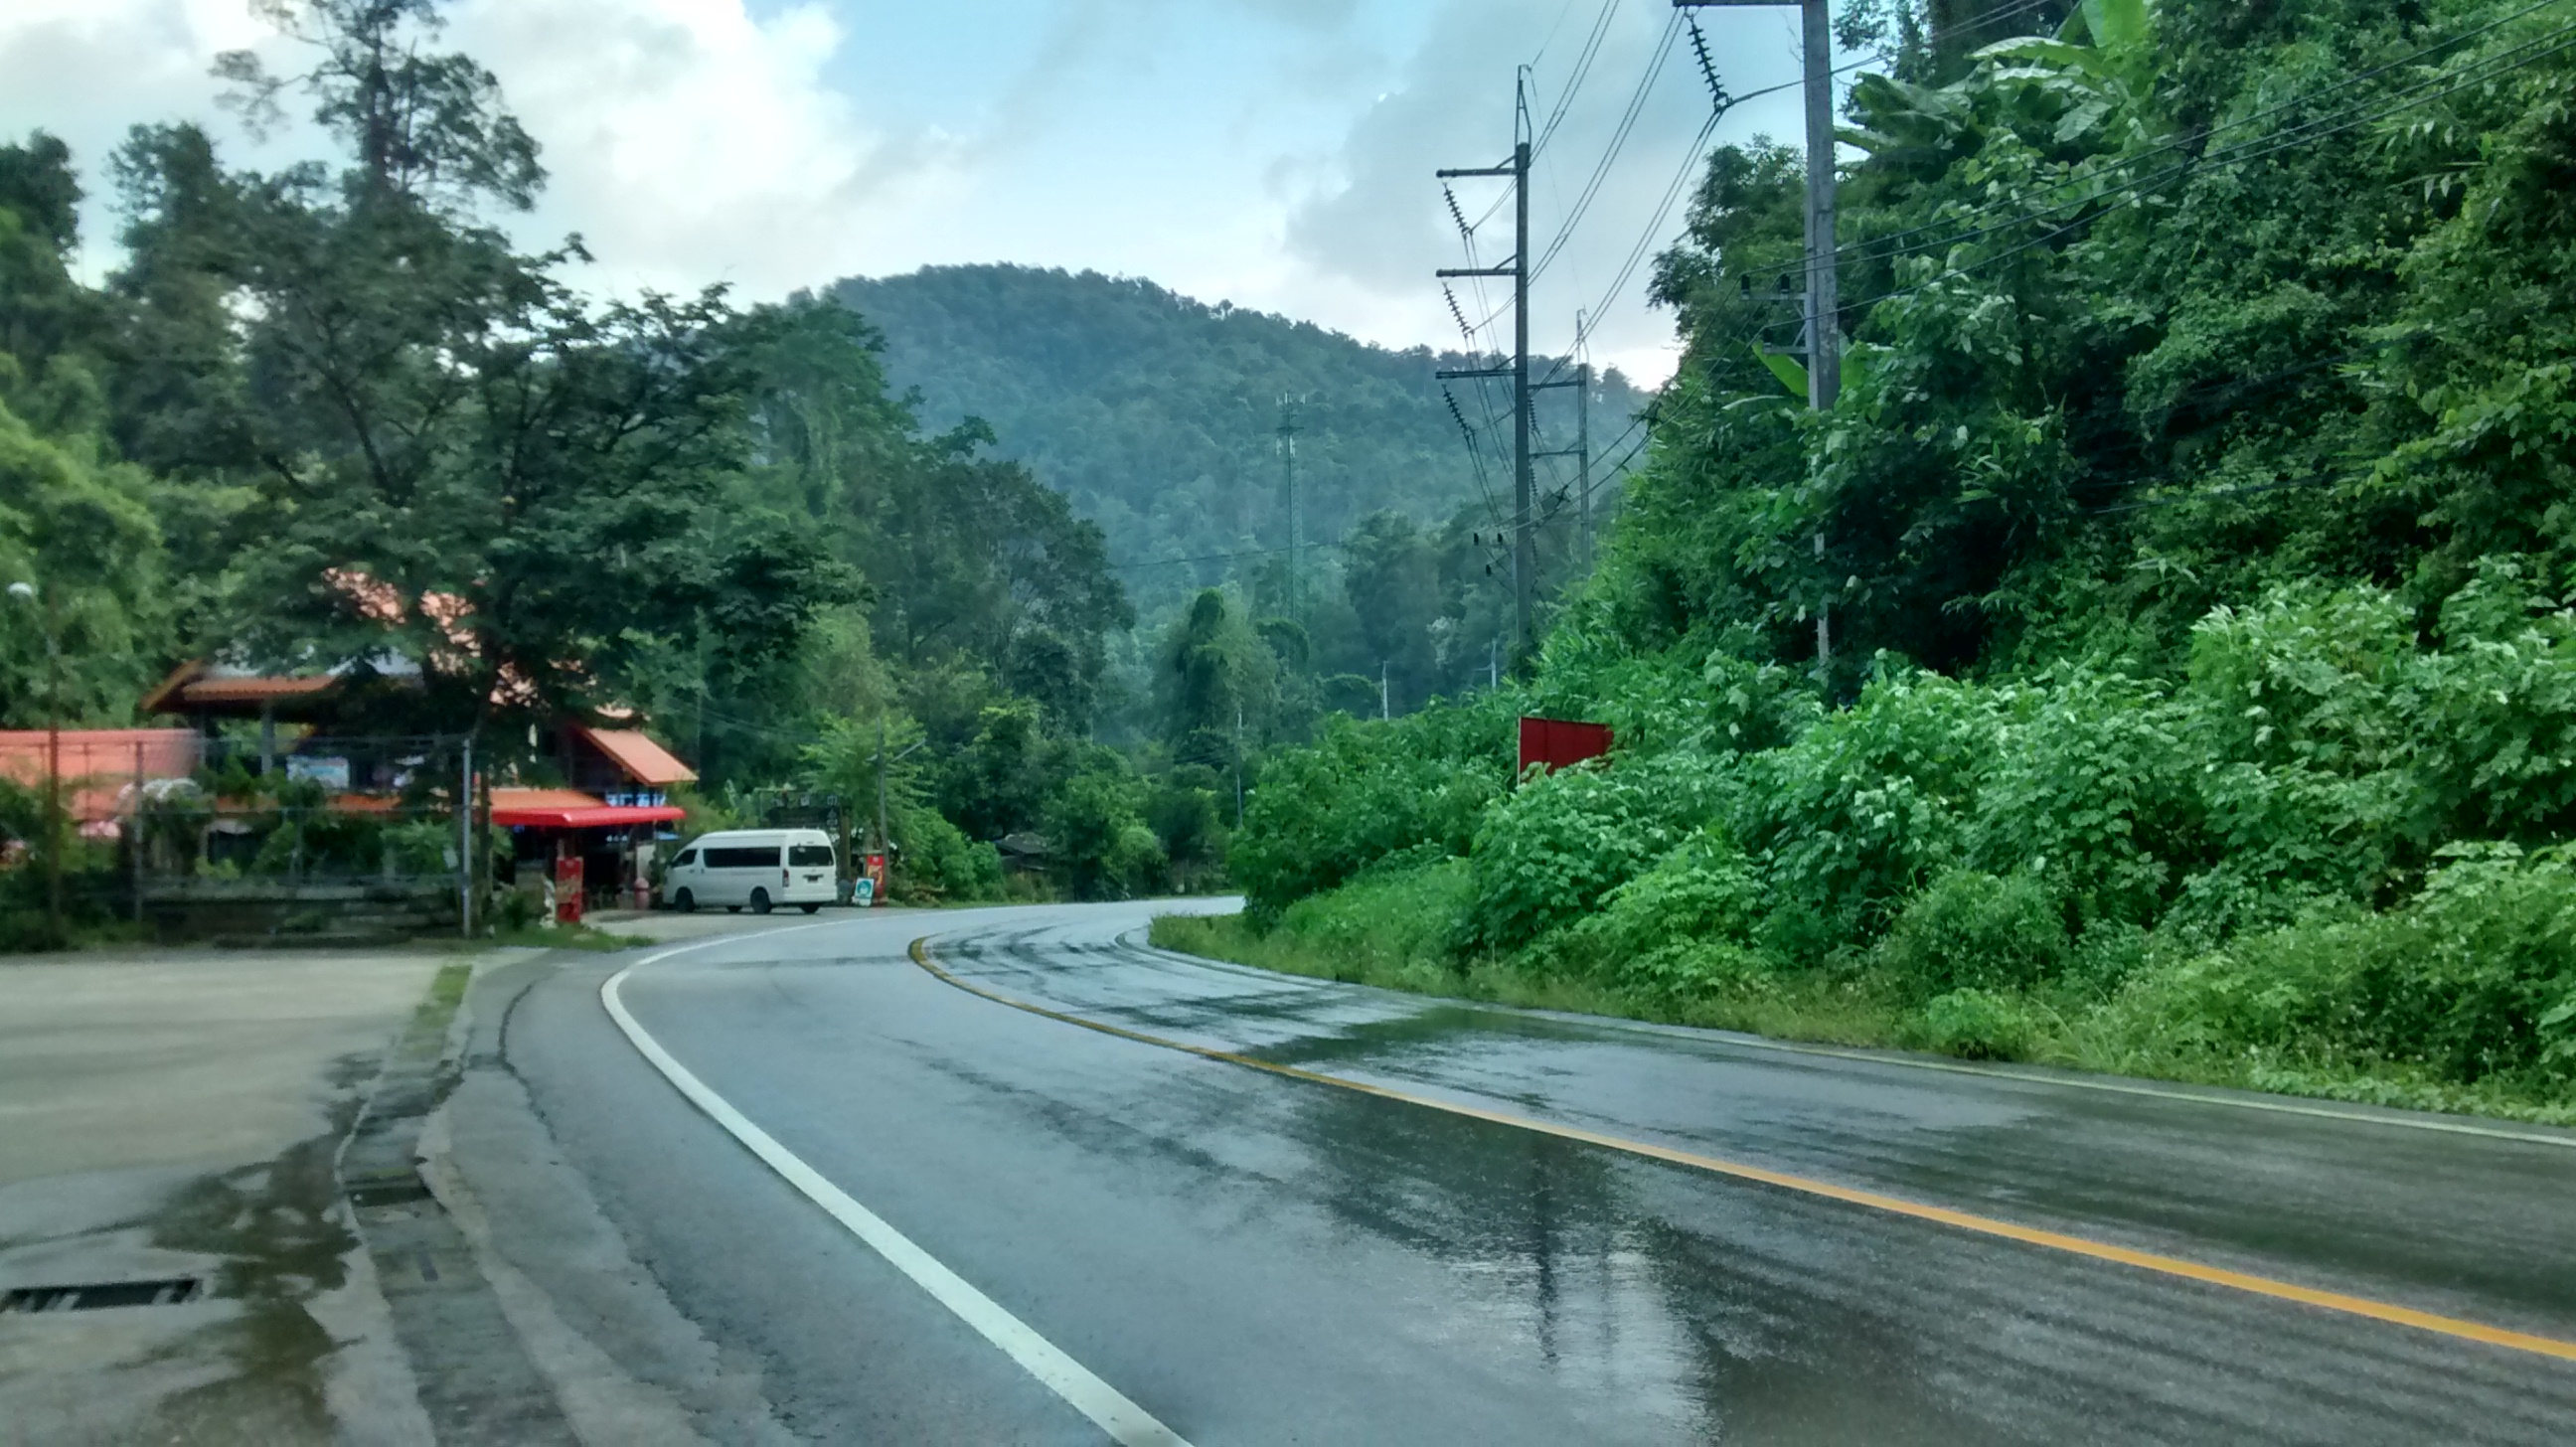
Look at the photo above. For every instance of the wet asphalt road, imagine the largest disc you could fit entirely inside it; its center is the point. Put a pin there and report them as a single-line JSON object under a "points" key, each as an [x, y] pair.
{"points": [[1259, 1259]]}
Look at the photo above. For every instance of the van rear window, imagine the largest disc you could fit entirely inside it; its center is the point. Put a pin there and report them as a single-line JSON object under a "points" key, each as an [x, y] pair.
{"points": [[810, 856], [764, 857]]}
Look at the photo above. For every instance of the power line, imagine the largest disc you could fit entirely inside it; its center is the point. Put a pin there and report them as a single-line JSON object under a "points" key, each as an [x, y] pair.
{"points": [[1618, 139], [1574, 82], [1210, 558]]}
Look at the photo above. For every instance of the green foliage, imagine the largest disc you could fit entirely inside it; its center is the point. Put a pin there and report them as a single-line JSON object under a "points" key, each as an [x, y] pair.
{"points": [[84, 533], [1391, 918], [1677, 931], [1103, 847], [1553, 849], [1364, 790], [2090, 787], [1970, 932], [1866, 804], [2475, 978], [1977, 1024], [938, 863]]}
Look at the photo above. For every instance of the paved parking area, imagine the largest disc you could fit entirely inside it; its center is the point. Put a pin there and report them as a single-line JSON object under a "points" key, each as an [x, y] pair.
{"points": [[175, 1114]]}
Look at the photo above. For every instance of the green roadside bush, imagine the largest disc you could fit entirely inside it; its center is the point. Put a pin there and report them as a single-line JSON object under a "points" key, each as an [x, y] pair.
{"points": [[1367, 789], [1977, 932], [1868, 803], [1977, 1025], [1677, 930], [1392, 918], [2473, 980], [1554, 848], [2328, 851], [939, 863], [1102, 844]]}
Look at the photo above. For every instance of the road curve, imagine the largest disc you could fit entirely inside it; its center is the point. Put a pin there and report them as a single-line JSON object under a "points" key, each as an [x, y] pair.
{"points": [[1248, 1256]]}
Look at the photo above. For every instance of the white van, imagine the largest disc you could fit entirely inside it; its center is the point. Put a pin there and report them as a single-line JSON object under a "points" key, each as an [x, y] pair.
{"points": [[762, 868]]}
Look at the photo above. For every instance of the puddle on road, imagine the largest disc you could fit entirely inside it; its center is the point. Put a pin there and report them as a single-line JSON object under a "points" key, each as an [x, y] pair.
{"points": [[1556, 1261], [278, 1233], [1725, 1310]]}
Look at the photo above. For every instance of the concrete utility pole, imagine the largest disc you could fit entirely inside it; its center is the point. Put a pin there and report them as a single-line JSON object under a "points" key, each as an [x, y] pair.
{"points": [[1524, 540], [1581, 451], [1824, 350], [1296, 515], [28, 593], [1583, 454], [465, 838]]}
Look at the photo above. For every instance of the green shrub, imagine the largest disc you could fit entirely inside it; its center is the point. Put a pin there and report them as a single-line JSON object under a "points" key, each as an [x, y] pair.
{"points": [[2305, 675], [1972, 931], [939, 863], [1101, 844], [1977, 1025], [1394, 917], [1552, 851], [1701, 893], [2475, 978], [2492, 743], [1364, 790], [2090, 785], [1868, 803]]}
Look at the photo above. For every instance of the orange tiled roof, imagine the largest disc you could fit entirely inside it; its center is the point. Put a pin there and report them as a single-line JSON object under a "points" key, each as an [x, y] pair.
{"points": [[194, 685], [99, 765], [644, 761]]}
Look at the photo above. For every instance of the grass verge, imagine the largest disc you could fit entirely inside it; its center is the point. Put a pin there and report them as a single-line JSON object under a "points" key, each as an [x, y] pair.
{"points": [[1385, 934]]}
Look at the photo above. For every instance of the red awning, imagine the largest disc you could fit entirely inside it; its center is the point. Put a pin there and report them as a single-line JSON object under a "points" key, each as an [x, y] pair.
{"points": [[573, 809], [596, 817]]}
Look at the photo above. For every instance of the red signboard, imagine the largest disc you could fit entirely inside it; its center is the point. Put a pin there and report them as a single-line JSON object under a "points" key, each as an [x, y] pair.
{"points": [[568, 889], [1553, 743]]}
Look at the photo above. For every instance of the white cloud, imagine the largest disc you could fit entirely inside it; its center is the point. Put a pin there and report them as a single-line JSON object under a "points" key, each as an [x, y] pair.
{"points": [[1276, 153], [692, 142]]}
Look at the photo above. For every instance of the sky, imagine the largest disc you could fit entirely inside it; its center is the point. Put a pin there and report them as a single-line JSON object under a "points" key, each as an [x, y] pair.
{"points": [[1275, 154]]}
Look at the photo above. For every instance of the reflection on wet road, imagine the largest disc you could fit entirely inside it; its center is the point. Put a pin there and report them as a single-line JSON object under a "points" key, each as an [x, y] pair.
{"points": [[1255, 1258]]}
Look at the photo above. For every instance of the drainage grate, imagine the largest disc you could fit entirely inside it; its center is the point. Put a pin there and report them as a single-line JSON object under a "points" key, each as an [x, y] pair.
{"points": [[100, 1295]]}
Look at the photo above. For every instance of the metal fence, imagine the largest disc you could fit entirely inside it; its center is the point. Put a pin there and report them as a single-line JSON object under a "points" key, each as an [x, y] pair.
{"points": [[199, 837]]}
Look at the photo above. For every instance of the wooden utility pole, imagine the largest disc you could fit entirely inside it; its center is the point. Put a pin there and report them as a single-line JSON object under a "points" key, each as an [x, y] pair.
{"points": [[1823, 338]]}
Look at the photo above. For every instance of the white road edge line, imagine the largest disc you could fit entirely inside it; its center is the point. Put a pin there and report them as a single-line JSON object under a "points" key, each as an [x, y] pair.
{"points": [[1737, 1039], [1124, 1421]]}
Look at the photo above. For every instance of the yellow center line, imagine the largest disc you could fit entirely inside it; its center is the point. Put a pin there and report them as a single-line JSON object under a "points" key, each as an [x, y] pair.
{"points": [[1807, 1185]]}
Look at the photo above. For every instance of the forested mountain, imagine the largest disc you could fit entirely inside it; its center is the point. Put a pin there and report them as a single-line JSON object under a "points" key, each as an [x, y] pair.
{"points": [[332, 418], [1159, 416], [2194, 543]]}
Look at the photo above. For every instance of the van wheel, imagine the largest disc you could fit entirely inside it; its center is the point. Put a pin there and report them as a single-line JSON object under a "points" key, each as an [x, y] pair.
{"points": [[810, 908], [685, 902], [760, 901]]}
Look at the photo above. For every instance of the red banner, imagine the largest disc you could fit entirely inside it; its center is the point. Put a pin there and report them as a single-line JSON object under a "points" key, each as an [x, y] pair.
{"points": [[1553, 743]]}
